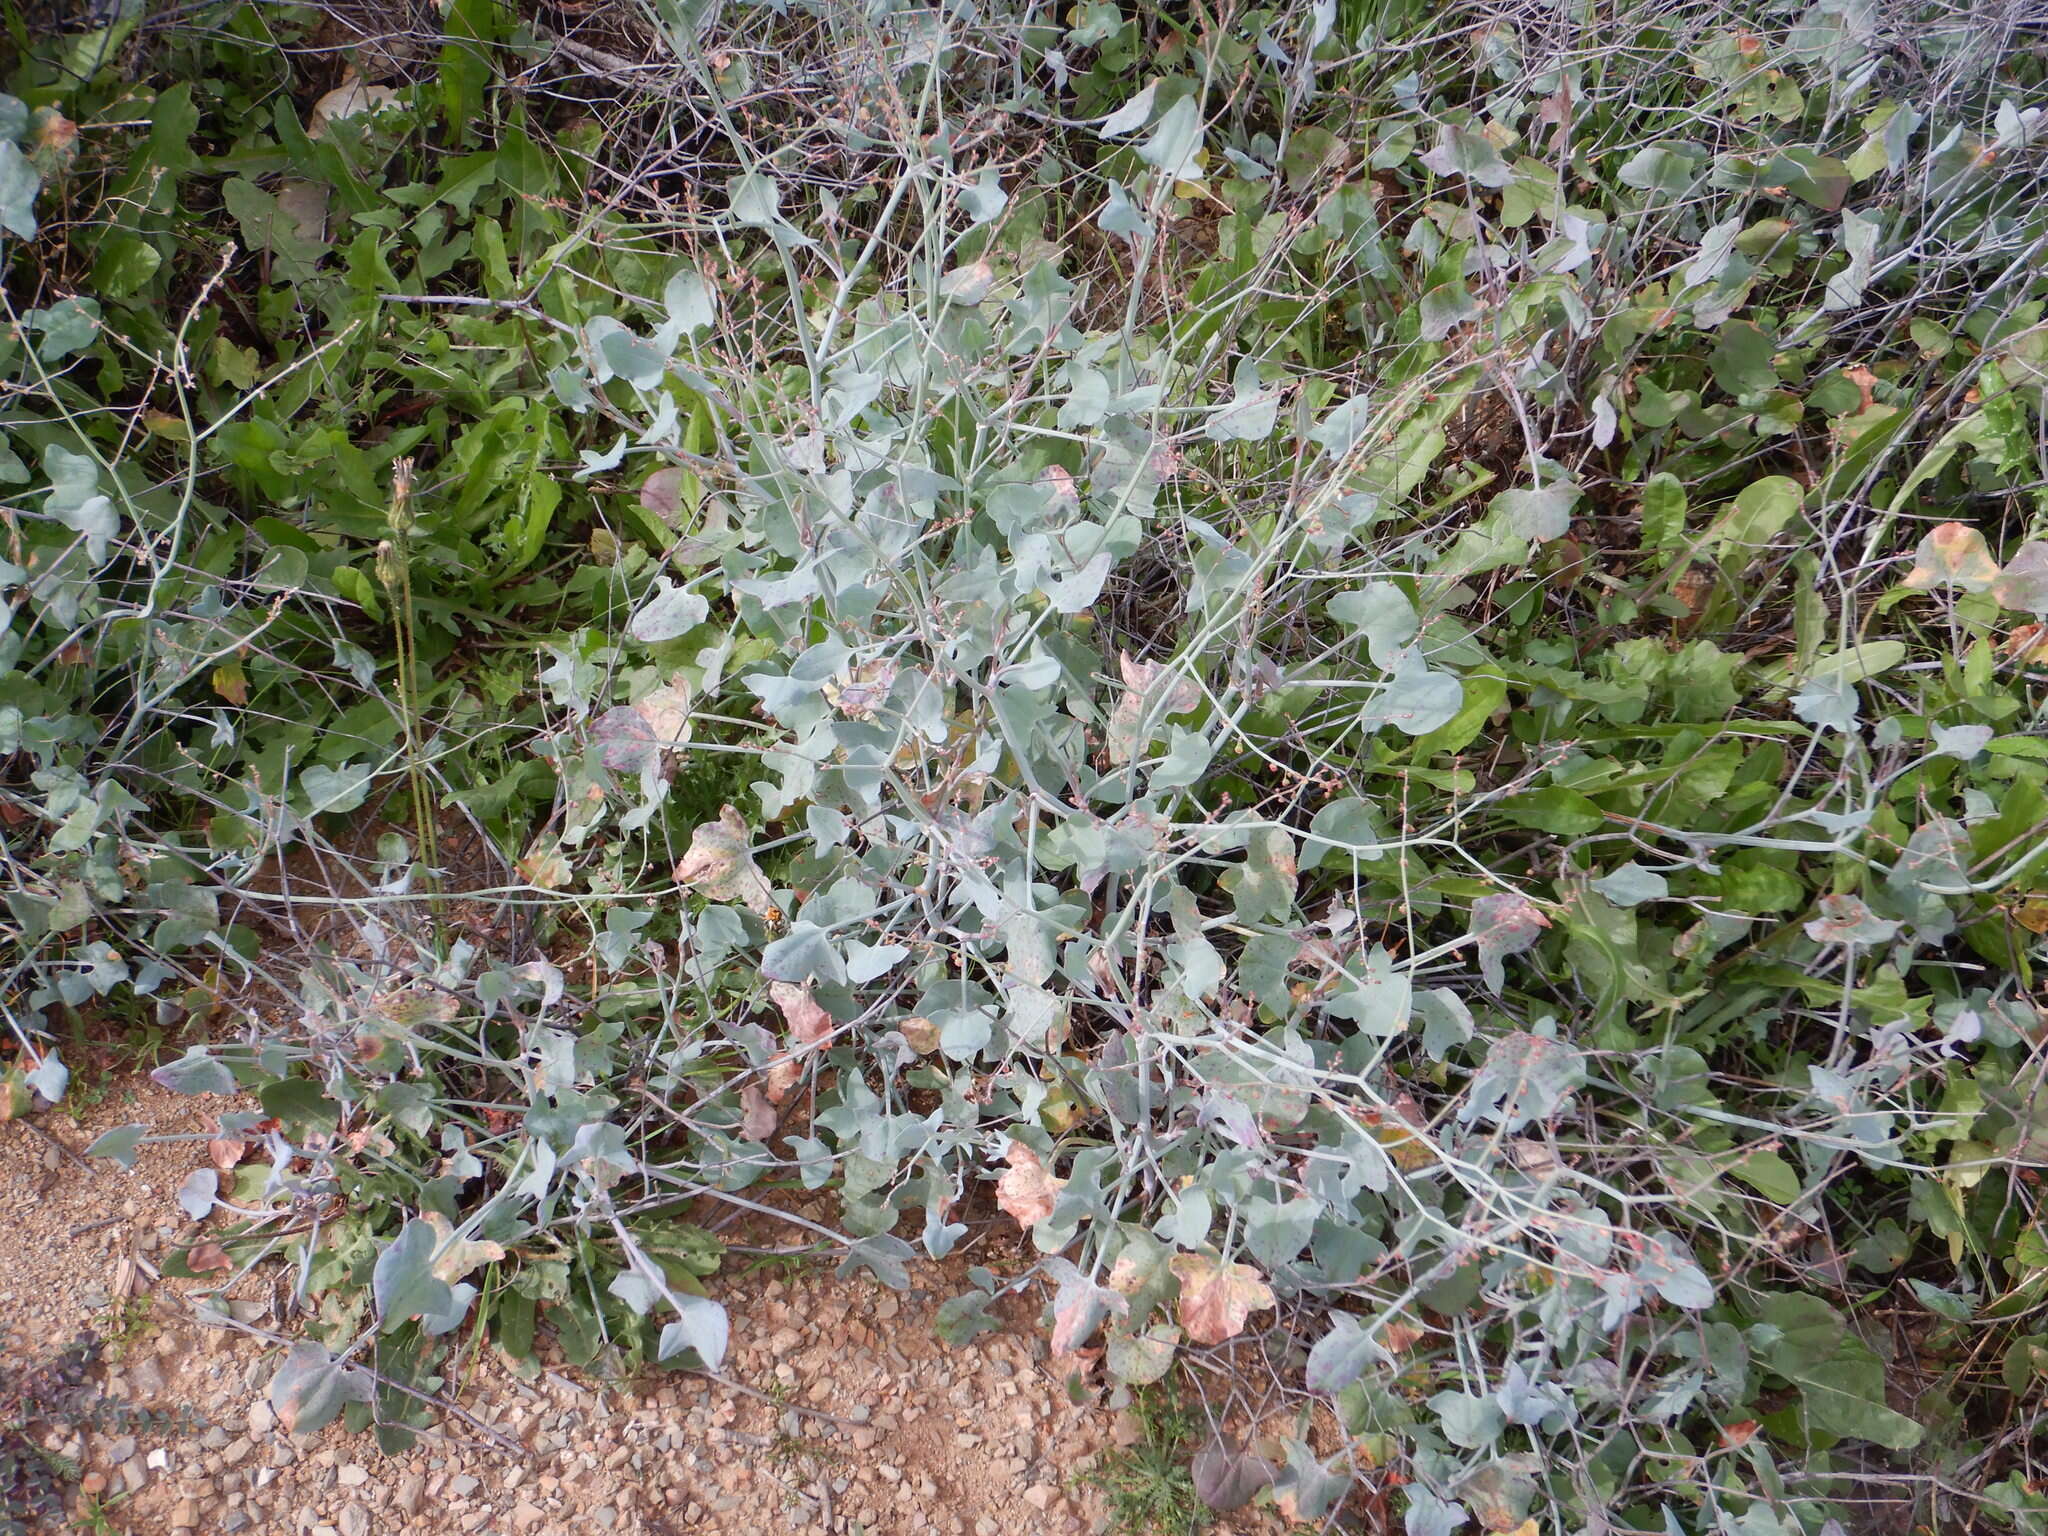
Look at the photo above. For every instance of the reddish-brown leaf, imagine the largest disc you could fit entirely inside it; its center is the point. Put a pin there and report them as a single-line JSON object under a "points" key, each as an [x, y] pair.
{"points": [[757, 1114], [1028, 1192], [808, 1022], [1216, 1299]]}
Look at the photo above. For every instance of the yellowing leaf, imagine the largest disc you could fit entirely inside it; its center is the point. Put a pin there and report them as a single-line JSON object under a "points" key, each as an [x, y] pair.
{"points": [[1953, 555], [866, 688], [231, 683], [1216, 1299], [1150, 694], [414, 1007], [2023, 584], [1028, 1192], [720, 864], [544, 866], [455, 1256]]}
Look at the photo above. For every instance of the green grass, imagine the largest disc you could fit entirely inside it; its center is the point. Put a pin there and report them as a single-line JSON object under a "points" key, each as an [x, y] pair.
{"points": [[1148, 1485]]}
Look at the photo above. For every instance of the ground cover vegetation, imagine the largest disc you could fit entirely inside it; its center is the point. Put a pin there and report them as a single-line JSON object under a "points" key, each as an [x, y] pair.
{"points": [[1376, 668]]}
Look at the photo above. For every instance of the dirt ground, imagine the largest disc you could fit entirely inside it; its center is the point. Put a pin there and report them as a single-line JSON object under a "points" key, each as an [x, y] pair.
{"points": [[950, 1441]]}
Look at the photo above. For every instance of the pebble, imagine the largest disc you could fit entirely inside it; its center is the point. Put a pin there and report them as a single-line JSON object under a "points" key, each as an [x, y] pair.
{"points": [[352, 1476], [355, 1521], [262, 1419]]}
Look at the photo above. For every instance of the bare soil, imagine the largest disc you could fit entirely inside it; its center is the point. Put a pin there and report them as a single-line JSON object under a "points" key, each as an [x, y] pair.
{"points": [[947, 1441]]}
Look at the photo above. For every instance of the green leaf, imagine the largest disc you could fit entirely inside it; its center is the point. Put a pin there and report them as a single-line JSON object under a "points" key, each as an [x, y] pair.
{"points": [[1176, 141], [1841, 1381], [289, 232], [804, 953], [120, 1144], [1139, 1359], [299, 1104], [1343, 1355], [1186, 760], [1768, 1174], [701, 1325], [1473, 1422], [1663, 513], [1526, 1077], [1415, 699], [671, 611], [1263, 885], [1741, 360], [1381, 612], [1537, 515], [68, 326], [124, 264], [195, 1072], [1631, 885], [1460, 152], [1759, 514], [18, 185], [1813, 178], [312, 1386], [404, 1283], [754, 200], [1859, 243], [1559, 811], [1446, 307]]}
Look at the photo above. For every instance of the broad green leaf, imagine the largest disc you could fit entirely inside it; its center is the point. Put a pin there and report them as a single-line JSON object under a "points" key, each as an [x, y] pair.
{"points": [[1742, 359], [18, 185], [1664, 505], [1381, 612], [1343, 1355], [1460, 152], [197, 1071], [1175, 143], [1139, 1359], [1841, 1381], [121, 1144], [1131, 116], [403, 1281], [312, 1386], [669, 612], [1859, 244], [701, 1325], [1631, 885], [1758, 515], [1526, 1077], [1415, 699], [1446, 307]]}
